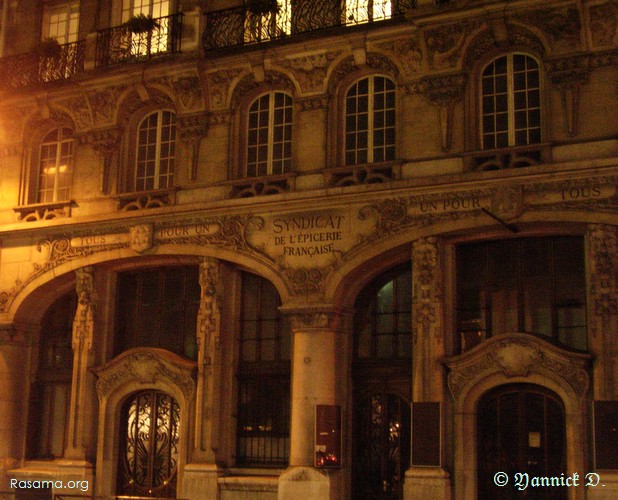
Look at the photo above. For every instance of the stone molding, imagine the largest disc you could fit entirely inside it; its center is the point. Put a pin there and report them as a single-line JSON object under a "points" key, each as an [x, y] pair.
{"points": [[518, 355], [317, 318], [146, 366]]}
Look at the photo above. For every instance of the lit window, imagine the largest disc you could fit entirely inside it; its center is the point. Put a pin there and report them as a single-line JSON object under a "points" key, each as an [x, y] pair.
{"points": [[269, 135], [55, 166], [511, 107], [156, 151], [362, 11], [370, 121], [61, 21], [263, 434], [148, 42], [263, 23]]}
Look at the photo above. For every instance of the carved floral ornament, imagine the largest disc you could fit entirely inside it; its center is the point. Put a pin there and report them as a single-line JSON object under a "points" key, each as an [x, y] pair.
{"points": [[518, 355], [147, 367]]}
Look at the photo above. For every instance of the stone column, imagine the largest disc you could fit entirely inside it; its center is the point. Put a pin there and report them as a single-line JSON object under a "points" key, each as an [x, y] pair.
{"points": [[16, 361], [200, 477], [318, 375], [428, 385], [602, 291]]}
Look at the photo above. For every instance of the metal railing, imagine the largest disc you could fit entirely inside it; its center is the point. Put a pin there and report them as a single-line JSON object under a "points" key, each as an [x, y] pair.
{"points": [[32, 68], [121, 44], [244, 26]]}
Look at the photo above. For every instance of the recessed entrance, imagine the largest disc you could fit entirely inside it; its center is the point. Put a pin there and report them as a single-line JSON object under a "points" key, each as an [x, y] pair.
{"points": [[520, 429]]}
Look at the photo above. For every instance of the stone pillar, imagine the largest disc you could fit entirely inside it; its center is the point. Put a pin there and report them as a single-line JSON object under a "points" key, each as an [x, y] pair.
{"points": [[200, 475], [75, 465], [428, 385], [602, 291], [318, 375], [15, 367]]}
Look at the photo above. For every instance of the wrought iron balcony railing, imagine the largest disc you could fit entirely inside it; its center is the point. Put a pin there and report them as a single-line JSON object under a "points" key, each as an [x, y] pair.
{"points": [[33, 68], [245, 25], [122, 44]]}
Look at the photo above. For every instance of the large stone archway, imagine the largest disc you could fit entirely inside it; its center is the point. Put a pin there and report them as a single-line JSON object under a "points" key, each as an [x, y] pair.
{"points": [[508, 359]]}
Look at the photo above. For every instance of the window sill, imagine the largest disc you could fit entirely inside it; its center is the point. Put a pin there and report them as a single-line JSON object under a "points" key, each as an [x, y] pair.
{"points": [[370, 173], [45, 211], [507, 158], [143, 200], [264, 185]]}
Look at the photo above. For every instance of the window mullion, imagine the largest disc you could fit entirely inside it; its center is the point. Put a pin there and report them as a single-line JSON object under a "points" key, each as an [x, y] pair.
{"points": [[157, 168], [57, 169], [510, 92], [271, 133], [370, 106]]}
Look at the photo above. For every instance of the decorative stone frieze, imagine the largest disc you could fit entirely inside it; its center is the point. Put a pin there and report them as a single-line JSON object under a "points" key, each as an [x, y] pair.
{"points": [[187, 89], [312, 103], [208, 314], [317, 317], [44, 211], [406, 52], [83, 324], [310, 70], [518, 355], [604, 24], [146, 366], [79, 109], [445, 43], [272, 79], [561, 25], [219, 84], [103, 104]]}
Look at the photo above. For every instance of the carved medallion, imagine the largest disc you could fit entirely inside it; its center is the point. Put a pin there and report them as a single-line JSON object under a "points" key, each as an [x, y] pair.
{"points": [[141, 237]]}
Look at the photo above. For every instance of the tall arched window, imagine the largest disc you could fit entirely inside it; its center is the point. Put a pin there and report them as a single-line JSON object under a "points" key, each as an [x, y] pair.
{"points": [[511, 102], [370, 121], [263, 433], [269, 135], [156, 150], [55, 166]]}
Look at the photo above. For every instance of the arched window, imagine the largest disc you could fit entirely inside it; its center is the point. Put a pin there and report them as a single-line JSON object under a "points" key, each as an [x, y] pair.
{"points": [[156, 150], [51, 391], [532, 285], [55, 166], [269, 135], [263, 433], [511, 102], [370, 121], [148, 454]]}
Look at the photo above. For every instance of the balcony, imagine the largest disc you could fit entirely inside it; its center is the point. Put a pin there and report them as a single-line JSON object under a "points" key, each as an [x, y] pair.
{"points": [[37, 67], [262, 21], [123, 43]]}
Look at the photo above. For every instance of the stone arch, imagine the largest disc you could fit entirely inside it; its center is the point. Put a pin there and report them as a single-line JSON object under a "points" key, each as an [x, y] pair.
{"points": [[249, 87], [348, 69], [133, 371], [508, 359]]}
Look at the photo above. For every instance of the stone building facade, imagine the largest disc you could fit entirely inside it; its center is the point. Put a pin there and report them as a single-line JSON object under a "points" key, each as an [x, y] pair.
{"points": [[309, 249]]}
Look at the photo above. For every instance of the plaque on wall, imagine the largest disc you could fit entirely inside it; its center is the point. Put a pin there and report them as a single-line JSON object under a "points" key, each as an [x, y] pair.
{"points": [[328, 436], [606, 434], [426, 434]]}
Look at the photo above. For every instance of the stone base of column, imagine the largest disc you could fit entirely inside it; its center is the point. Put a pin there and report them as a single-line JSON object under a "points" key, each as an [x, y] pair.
{"points": [[427, 482], [76, 473], [6, 464], [310, 484], [200, 482], [606, 489]]}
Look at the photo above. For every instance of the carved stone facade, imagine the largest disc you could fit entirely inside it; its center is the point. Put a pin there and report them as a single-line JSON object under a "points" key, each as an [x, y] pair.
{"points": [[316, 226]]}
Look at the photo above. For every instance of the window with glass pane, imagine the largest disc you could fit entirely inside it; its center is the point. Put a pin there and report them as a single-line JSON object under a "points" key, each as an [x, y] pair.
{"points": [[51, 391], [156, 150], [263, 434], [370, 121], [511, 102], [383, 317], [362, 11], [261, 26], [55, 166], [532, 285], [143, 43], [158, 308], [269, 135], [61, 21]]}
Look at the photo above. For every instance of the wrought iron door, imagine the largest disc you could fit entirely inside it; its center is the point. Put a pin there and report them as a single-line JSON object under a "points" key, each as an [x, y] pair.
{"points": [[148, 456], [521, 429], [381, 446]]}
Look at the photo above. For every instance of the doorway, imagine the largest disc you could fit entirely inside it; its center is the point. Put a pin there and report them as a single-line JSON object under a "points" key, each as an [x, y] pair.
{"points": [[520, 429]]}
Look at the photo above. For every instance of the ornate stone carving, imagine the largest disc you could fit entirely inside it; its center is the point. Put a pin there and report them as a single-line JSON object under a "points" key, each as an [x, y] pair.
{"points": [[569, 73], [317, 317], [105, 142], [406, 52], [219, 118], [604, 23], [312, 103], [561, 25], [507, 202], [103, 104], [219, 84], [603, 259], [188, 89], [83, 324], [445, 43], [272, 79], [208, 315], [141, 237], [427, 289], [191, 129], [80, 110], [518, 355], [306, 279], [311, 70], [146, 366]]}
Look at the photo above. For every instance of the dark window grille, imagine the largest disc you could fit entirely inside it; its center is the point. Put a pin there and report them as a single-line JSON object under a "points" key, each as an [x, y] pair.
{"points": [[383, 317], [531, 285], [158, 308], [263, 433]]}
